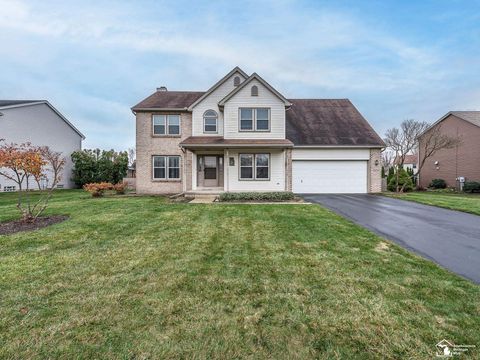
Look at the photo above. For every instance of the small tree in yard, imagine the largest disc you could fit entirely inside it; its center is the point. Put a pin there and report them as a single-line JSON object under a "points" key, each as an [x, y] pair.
{"points": [[24, 163], [404, 141]]}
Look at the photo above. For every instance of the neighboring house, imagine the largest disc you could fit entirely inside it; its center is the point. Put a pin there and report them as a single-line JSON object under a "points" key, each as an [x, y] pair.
{"points": [[38, 122], [244, 135], [410, 162], [460, 161]]}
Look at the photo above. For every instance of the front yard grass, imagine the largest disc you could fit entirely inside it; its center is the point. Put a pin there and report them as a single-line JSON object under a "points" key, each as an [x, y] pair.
{"points": [[455, 201], [138, 277]]}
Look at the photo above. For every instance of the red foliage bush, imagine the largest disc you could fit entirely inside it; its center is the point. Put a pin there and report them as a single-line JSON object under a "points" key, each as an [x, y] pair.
{"points": [[97, 189]]}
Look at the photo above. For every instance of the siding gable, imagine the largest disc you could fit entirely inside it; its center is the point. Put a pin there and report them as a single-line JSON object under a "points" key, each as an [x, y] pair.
{"points": [[243, 98], [211, 103]]}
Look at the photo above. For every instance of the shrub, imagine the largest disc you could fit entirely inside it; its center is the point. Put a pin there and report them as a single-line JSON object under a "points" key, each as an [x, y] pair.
{"points": [[97, 189], [404, 180], [120, 188], [96, 166], [471, 186], [256, 196], [438, 184]]}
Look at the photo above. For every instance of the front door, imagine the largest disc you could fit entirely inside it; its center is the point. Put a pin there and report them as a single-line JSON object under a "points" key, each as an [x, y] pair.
{"points": [[210, 171]]}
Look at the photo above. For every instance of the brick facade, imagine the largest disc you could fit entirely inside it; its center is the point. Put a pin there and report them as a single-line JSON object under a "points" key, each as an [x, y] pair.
{"points": [[149, 145], [375, 171], [288, 169], [463, 160]]}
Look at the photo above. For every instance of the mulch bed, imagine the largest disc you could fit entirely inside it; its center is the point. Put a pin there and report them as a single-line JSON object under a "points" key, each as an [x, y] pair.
{"points": [[12, 227]]}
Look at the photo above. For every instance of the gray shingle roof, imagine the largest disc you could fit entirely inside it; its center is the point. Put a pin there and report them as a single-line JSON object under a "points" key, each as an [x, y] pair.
{"points": [[169, 100], [315, 122], [17, 102], [327, 122], [470, 116]]}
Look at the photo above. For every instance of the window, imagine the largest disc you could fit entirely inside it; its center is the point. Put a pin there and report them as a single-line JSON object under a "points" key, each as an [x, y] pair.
{"points": [[9, 188], [166, 167], [254, 119], [166, 124], [254, 166], [246, 119], [262, 119], [210, 118], [254, 90], [236, 81], [261, 166], [246, 166]]}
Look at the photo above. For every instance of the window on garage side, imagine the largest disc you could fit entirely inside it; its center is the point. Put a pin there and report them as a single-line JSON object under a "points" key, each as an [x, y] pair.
{"points": [[254, 166]]}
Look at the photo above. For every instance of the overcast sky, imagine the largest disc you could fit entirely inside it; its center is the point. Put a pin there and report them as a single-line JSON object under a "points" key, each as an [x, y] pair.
{"points": [[93, 60]]}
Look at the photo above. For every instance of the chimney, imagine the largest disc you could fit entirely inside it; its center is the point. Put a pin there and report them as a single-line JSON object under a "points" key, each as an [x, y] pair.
{"points": [[162, 88]]}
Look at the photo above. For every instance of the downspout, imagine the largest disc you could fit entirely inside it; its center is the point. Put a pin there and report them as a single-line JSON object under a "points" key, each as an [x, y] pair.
{"points": [[226, 163]]}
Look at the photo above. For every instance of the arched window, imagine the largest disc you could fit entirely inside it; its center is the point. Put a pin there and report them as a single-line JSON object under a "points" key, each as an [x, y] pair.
{"points": [[254, 90], [210, 118], [236, 81]]}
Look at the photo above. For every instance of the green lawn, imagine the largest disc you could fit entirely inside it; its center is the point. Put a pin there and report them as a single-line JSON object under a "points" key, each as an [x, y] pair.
{"points": [[463, 202], [137, 277]]}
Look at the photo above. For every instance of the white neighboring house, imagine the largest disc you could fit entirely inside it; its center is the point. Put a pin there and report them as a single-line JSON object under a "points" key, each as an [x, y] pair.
{"points": [[38, 122]]}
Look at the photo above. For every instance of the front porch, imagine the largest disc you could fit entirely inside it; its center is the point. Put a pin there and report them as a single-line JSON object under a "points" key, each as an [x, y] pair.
{"points": [[218, 165]]}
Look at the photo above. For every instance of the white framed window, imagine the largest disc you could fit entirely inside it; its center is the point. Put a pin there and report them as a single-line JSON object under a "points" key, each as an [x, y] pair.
{"points": [[165, 167], [210, 121], [254, 119], [254, 90], [254, 167], [166, 124], [9, 188]]}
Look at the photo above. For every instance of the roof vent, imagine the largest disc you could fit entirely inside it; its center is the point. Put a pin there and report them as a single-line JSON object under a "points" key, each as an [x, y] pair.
{"points": [[162, 88]]}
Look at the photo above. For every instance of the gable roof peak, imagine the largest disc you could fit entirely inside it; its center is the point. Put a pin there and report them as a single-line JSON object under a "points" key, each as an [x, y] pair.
{"points": [[246, 82], [217, 84]]}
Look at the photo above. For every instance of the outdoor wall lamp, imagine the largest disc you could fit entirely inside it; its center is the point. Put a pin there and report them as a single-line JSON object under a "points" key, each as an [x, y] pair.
{"points": [[376, 162]]}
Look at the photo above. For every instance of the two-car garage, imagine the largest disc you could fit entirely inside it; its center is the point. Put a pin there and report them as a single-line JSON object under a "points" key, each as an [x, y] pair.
{"points": [[330, 170]]}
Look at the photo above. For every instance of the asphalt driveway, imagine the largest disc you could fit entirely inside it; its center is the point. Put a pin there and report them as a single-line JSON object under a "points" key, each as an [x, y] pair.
{"points": [[449, 238]]}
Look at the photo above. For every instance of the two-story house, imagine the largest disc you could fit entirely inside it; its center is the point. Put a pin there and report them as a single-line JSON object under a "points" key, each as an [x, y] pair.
{"points": [[244, 135]]}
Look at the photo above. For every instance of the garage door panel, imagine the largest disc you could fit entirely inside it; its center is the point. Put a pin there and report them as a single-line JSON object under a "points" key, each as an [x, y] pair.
{"points": [[320, 176]]}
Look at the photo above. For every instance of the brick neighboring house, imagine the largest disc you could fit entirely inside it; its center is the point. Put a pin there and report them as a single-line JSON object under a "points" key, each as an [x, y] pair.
{"points": [[464, 159], [244, 135]]}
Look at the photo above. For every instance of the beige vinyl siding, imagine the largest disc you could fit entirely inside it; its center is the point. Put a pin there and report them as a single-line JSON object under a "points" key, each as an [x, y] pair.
{"points": [[210, 102], [277, 172], [265, 99]]}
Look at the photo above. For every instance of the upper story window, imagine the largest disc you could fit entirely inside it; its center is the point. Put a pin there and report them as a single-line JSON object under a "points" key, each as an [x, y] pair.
{"points": [[254, 90], [210, 121], [254, 119], [166, 124], [236, 81]]}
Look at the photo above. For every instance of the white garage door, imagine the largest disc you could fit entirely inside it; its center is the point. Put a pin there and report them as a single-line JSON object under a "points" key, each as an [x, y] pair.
{"points": [[320, 176]]}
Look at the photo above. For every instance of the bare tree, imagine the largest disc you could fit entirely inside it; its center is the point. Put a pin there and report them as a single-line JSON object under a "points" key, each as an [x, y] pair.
{"points": [[432, 141], [404, 141], [131, 156], [387, 159]]}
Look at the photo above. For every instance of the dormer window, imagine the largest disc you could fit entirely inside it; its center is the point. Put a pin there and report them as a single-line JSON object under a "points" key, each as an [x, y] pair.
{"points": [[236, 81], [254, 90], [210, 121]]}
